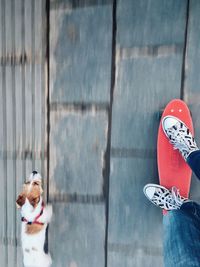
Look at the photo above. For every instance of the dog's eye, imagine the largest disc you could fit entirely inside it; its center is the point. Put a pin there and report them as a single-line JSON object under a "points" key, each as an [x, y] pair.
{"points": [[27, 182], [35, 183]]}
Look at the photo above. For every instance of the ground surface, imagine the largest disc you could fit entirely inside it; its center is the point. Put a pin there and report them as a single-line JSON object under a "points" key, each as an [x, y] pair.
{"points": [[82, 84]]}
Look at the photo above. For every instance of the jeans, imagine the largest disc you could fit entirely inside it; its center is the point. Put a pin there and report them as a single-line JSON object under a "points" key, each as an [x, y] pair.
{"points": [[193, 161], [181, 229]]}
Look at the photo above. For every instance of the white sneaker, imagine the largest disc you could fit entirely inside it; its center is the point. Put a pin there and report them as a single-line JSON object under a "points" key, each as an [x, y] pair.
{"points": [[164, 198], [179, 135]]}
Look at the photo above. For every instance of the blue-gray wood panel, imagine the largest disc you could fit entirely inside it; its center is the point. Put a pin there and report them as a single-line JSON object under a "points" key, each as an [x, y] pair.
{"points": [[129, 258], [150, 22], [80, 51], [22, 68], [77, 144], [192, 79], [149, 55], [135, 227], [143, 87], [80, 78], [77, 235], [126, 223]]}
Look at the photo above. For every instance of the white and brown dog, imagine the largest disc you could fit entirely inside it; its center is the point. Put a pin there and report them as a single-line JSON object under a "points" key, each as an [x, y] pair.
{"points": [[35, 218]]}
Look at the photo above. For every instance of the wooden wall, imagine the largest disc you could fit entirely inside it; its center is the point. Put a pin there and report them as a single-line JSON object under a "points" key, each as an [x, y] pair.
{"points": [[82, 83], [22, 112]]}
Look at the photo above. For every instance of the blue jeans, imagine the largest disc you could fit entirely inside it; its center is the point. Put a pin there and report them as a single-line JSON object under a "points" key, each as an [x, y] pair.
{"points": [[181, 229], [193, 161]]}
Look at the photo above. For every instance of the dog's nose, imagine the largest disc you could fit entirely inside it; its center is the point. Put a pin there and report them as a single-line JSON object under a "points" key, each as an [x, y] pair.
{"points": [[34, 172]]}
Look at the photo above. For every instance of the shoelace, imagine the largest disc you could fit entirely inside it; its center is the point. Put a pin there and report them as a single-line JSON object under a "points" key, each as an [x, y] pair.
{"points": [[180, 142], [173, 200], [176, 197]]}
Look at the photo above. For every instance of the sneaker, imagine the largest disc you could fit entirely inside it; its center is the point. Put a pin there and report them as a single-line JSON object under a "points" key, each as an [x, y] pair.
{"points": [[164, 198], [179, 135]]}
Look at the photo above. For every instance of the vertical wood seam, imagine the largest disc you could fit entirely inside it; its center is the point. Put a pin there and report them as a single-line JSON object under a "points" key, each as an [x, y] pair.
{"points": [[4, 126], [43, 91], [48, 103], [48, 89], [106, 172], [14, 124], [23, 91], [33, 79], [182, 89]]}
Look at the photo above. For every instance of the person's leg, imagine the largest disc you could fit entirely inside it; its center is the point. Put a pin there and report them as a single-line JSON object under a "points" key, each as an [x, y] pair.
{"points": [[181, 242], [181, 226], [193, 161], [181, 138]]}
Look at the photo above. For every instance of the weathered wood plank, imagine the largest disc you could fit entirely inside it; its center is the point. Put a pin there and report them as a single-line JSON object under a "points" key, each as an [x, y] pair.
{"points": [[192, 79], [35, 92], [10, 138], [28, 27], [39, 106], [34, 84], [37, 84], [80, 51], [77, 145], [150, 22], [128, 208], [18, 27], [129, 213], [28, 85], [3, 248], [18, 95], [132, 257], [1, 28], [39, 141], [39, 88], [80, 68], [148, 74], [19, 151], [19, 181], [28, 118], [138, 98], [39, 20], [19, 131], [81, 235], [141, 81], [11, 207]]}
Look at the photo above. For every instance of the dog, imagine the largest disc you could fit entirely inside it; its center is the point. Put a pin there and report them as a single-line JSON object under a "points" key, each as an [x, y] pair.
{"points": [[35, 217]]}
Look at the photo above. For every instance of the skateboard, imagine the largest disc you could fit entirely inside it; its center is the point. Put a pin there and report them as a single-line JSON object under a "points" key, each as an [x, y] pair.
{"points": [[172, 168]]}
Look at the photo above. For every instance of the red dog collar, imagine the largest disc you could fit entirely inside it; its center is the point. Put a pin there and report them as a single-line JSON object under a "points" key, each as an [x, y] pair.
{"points": [[23, 219]]}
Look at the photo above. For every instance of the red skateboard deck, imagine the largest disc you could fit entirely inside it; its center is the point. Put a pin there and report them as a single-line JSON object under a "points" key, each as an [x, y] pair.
{"points": [[172, 168]]}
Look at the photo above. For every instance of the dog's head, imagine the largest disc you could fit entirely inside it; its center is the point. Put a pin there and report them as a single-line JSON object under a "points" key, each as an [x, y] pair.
{"points": [[32, 191]]}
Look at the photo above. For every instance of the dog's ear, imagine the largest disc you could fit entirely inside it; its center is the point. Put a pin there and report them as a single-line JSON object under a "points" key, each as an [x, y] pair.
{"points": [[20, 200]]}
